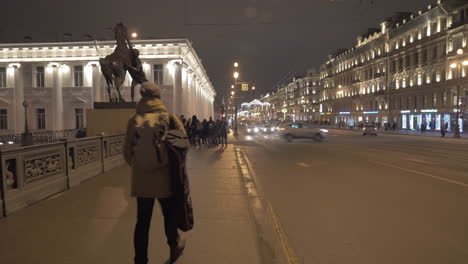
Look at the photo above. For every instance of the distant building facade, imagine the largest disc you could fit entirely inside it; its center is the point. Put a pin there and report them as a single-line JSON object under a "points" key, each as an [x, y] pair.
{"points": [[410, 72], [60, 81], [296, 100]]}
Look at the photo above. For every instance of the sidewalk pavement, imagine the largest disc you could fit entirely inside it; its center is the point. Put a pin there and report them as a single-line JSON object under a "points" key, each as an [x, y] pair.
{"points": [[93, 222]]}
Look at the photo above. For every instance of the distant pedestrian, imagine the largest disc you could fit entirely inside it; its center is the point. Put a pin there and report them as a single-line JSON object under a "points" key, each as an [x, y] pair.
{"points": [[443, 130], [223, 131], [147, 154]]}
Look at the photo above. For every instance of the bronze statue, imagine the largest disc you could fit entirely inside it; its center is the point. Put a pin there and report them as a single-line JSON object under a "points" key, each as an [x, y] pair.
{"points": [[114, 66]]}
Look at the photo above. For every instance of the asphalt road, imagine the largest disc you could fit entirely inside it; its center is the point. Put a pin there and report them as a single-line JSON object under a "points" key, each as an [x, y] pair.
{"points": [[377, 200]]}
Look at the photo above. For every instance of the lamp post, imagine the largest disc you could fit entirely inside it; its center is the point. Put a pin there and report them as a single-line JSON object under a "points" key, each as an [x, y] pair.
{"points": [[458, 65], [236, 75]]}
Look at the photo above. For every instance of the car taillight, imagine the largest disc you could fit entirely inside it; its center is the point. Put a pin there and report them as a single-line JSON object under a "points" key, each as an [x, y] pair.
{"points": [[282, 129]]}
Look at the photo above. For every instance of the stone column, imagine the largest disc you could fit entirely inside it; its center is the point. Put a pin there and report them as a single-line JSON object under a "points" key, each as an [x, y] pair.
{"points": [[18, 109], [57, 106], [97, 87], [177, 95]]}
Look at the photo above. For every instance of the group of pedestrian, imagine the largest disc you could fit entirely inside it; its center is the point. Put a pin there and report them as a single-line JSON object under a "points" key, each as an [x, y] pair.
{"points": [[207, 132], [389, 126]]}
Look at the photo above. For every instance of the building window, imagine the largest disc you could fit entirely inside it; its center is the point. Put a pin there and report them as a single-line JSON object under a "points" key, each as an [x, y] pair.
{"points": [[434, 100], [3, 79], [3, 119], [158, 74], [39, 76], [416, 59], [40, 113], [78, 76], [79, 118]]}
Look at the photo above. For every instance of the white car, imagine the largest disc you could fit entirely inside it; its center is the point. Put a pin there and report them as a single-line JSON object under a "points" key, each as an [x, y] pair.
{"points": [[369, 129], [299, 130]]}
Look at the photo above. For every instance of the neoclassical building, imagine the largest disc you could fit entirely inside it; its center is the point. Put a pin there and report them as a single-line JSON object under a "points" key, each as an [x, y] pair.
{"points": [[410, 71], [60, 81], [297, 99]]}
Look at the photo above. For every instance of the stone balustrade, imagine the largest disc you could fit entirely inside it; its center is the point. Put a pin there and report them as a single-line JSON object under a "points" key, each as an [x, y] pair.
{"points": [[32, 173]]}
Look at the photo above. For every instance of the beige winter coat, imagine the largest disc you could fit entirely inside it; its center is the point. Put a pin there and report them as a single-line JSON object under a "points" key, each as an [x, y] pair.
{"points": [[156, 183]]}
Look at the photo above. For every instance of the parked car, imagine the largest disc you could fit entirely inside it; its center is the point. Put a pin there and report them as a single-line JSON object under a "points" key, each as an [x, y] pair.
{"points": [[369, 129], [299, 130]]}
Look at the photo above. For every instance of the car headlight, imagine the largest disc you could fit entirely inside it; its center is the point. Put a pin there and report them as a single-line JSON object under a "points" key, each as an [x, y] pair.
{"points": [[264, 129], [256, 129], [249, 130], [272, 129], [324, 130], [277, 128]]}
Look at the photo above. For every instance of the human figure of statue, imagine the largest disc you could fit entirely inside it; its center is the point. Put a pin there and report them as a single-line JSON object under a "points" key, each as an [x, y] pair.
{"points": [[136, 71]]}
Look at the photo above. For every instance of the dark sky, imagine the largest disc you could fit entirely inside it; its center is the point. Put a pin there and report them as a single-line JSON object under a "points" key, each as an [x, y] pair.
{"points": [[269, 38]]}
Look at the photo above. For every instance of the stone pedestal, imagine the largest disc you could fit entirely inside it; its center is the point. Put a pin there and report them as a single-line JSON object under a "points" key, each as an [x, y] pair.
{"points": [[109, 118]]}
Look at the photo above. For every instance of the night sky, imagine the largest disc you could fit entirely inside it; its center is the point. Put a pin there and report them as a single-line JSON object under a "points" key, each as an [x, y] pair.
{"points": [[269, 38]]}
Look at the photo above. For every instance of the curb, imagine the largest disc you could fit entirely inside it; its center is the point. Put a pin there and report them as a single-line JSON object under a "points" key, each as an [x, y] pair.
{"points": [[272, 240], [463, 137]]}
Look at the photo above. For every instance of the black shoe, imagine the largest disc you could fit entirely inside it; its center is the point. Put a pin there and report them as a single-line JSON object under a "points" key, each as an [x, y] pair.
{"points": [[176, 252]]}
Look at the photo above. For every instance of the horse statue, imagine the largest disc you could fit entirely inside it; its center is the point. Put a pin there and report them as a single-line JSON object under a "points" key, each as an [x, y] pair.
{"points": [[114, 66]]}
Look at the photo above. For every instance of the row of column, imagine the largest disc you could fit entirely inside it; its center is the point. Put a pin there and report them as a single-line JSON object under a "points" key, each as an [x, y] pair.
{"points": [[188, 98]]}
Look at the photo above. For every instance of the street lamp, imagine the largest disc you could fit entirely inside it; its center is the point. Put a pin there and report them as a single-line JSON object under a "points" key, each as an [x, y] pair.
{"points": [[232, 86], [236, 75], [134, 35]]}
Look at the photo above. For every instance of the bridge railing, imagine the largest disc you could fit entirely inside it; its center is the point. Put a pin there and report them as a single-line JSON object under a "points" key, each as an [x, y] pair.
{"points": [[32, 173], [40, 137]]}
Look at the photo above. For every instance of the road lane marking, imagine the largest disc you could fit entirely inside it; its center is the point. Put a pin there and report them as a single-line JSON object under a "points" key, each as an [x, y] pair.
{"points": [[421, 161], [302, 164], [423, 173], [249, 173]]}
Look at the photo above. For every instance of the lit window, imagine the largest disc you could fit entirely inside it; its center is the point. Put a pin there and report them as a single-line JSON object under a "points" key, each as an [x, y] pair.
{"points": [[39, 74], [78, 76], [158, 74]]}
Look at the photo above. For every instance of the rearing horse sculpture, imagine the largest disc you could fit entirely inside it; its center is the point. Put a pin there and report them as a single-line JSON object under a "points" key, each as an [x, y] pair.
{"points": [[113, 66]]}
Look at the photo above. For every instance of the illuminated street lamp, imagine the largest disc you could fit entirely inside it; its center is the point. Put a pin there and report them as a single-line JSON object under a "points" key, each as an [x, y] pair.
{"points": [[236, 75], [232, 93], [236, 64], [232, 86], [134, 35]]}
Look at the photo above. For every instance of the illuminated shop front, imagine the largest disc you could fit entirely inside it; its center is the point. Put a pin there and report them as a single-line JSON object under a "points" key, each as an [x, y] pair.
{"points": [[429, 119]]}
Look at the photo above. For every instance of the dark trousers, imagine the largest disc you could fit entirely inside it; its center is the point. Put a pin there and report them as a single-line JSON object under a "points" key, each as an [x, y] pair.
{"points": [[144, 214]]}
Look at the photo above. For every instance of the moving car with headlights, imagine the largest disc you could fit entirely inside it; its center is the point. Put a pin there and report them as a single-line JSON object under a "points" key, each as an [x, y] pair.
{"points": [[369, 129], [299, 130], [253, 129]]}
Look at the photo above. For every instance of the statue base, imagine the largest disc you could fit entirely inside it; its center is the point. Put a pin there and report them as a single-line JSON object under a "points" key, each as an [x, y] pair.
{"points": [[27, 139], [109, 118]]}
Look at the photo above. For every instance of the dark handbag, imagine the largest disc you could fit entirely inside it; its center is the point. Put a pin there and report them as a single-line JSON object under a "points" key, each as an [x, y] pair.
{"points": [[177, 144]]}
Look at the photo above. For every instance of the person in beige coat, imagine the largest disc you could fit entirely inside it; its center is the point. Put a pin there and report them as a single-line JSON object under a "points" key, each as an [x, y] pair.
{"points": [[150, 178]]}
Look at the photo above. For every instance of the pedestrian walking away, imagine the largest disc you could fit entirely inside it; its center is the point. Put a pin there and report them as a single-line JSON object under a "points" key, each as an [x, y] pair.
{"points": [[147, 154]]}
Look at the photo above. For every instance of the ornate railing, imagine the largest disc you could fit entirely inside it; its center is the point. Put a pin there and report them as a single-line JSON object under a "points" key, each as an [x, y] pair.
{"points": [[41, 137]]}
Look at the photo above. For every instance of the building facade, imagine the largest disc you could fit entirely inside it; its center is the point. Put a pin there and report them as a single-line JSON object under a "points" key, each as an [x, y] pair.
{"points": [[296, 100], [59, 81], [410, 72]]}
